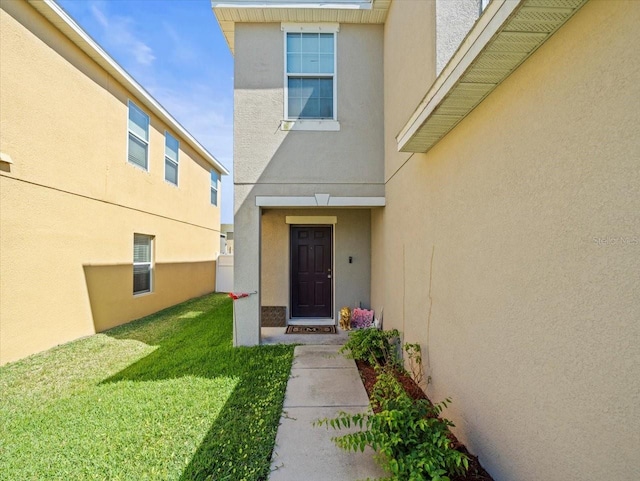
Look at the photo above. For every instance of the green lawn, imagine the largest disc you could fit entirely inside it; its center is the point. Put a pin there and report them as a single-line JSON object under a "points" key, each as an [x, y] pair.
{"points": [[164, 397]]}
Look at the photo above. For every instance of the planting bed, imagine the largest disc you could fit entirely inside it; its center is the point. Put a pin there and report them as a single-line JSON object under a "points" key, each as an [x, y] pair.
{"points": [[369, 377]]}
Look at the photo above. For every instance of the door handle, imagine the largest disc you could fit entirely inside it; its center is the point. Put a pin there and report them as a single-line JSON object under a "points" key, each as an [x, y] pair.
{"points": [[328, 276]]}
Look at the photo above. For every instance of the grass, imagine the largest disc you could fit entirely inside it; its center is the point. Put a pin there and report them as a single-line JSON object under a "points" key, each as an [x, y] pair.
{"points": [[165, 397]]}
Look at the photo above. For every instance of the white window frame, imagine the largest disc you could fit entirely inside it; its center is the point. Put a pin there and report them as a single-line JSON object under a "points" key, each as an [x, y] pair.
{"points": [[149, 263], [130, 103], [310, 124], [214, 187], [175, 161]]}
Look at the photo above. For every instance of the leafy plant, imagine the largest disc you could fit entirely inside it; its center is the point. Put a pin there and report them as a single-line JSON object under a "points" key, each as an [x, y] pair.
{"points": [[374, 346], [411, 439], [414, 353]]}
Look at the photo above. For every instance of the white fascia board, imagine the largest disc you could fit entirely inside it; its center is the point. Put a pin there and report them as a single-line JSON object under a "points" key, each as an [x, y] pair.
{"points": [[324, 27], [489, 23], [357, 202], [310, 4], [310, 125], [285, 201], [314, 201], [502, 19], [63, 22]]}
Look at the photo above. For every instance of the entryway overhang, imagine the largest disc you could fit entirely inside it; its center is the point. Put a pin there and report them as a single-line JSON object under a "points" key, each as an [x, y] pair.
{"points": [[318, 200], [230, 12], [504, 36]]}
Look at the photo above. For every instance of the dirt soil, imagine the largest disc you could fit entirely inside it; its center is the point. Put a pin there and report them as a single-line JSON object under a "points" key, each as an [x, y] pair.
{"points": [[368, 375]]}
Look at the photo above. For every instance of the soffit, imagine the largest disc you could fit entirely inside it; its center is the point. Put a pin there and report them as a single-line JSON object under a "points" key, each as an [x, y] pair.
{"points": [[230, 12], [63, 22], [505, 35]]}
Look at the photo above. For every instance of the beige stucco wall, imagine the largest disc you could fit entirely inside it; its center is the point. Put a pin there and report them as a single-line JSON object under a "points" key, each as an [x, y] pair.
{"points": [[352, 237], [511, 251], [272, 162], [265, 154], [70, 202]]}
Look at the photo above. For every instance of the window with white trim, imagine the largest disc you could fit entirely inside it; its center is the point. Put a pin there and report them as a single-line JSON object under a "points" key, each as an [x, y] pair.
{"points": [[142, 263], [310, 72], [171, 149], [138, 144], [215, 178]]}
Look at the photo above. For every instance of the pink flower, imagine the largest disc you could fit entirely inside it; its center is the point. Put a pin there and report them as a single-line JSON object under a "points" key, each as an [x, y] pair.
{"points": [[361, 318]]}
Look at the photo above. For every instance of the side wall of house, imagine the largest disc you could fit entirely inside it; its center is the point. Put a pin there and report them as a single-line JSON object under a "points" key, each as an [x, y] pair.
{"points": [[71, 203], [511, 250], [272, 162], [267, 155]]}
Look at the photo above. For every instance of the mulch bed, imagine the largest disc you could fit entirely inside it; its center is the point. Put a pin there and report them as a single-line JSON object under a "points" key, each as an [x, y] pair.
{"points": [[369, 377]]}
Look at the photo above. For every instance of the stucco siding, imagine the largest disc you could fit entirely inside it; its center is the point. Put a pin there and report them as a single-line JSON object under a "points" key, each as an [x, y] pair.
{"points": [[454, 19], [511, 253], [71, 202], [271, 162], [266, 154], [352, 237], [64, 123], [409, 70]]}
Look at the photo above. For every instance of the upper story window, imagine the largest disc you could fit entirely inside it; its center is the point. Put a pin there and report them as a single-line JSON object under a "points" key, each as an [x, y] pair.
{"points": [[138, 144], [310, 72], [215, 178], [171, 149]]}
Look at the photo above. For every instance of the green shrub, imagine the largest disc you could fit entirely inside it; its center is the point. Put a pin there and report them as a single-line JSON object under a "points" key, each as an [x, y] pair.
{"points": [[414, 359], [410, 438], [374, 346]]}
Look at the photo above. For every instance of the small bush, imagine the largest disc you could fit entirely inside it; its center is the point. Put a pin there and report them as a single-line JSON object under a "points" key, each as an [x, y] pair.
{"points": [[374, 346], [411, 439]]}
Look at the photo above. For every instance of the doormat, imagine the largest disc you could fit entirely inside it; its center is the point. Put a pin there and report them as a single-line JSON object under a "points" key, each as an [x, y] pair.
{"points": [[311, 330]]}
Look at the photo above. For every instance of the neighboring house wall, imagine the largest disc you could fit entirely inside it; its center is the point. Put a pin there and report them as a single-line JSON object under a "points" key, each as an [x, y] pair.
{"points": [[269, 161], [71, 202], [495, 249]]}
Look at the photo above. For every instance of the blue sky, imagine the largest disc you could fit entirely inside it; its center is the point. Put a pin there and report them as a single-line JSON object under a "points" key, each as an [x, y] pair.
{"points": [[176, 51]]}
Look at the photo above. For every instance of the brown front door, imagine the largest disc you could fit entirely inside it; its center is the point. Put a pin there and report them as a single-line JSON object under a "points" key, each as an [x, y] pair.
{"points": [[311, 276]]}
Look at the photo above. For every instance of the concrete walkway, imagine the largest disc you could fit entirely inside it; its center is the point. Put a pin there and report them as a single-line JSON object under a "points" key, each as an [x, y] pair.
{"points": [[322, 383]]}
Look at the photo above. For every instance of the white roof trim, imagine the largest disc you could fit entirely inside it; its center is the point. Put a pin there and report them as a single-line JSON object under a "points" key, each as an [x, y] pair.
{"points": [[333, 4], [511, 28], [229, 12], [330, 27], [61, 20], [318, 200]]}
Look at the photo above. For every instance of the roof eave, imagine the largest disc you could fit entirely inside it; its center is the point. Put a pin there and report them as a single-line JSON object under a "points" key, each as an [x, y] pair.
{"points": [[230, 12], [509, 30]]}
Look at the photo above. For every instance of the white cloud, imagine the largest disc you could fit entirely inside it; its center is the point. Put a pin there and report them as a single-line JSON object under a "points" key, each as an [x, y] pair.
{"points": [[205, 112], [181, 49], [119, 33], [206, 115]]}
